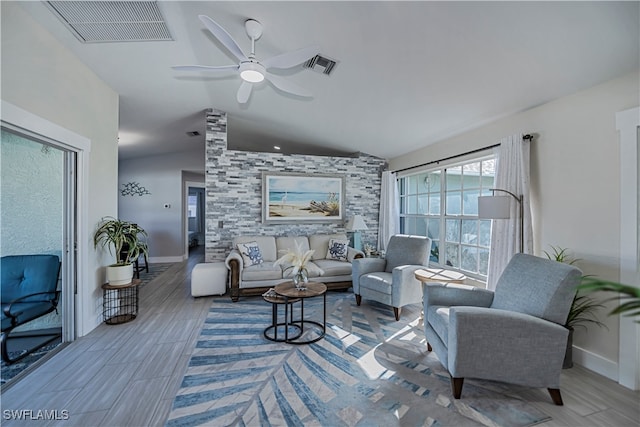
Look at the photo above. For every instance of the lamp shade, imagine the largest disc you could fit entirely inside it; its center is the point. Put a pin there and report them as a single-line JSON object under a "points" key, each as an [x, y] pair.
{"points": [[494, 207], [356, 223]]}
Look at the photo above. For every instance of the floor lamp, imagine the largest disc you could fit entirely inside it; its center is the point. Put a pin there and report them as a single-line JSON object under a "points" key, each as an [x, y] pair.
{"points": [[355, 224], [497, 207]]}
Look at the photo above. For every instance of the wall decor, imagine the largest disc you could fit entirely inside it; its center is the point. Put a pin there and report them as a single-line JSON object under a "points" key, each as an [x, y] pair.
{"points": [[292, 197], [133, 189]]}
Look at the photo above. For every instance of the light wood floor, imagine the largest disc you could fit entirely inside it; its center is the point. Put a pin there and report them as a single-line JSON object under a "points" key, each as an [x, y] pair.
{"points": [[128, 375]]}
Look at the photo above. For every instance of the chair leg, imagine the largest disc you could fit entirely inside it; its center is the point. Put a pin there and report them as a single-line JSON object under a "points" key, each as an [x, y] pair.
{"points": [[555, 396], [136, 269], [396, 312], [456, 387], [429, 347], [358, 299]]}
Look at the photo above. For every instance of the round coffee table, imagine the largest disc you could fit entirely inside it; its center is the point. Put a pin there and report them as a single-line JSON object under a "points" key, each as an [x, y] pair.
{"points": [[313, 289], [275, 301]]}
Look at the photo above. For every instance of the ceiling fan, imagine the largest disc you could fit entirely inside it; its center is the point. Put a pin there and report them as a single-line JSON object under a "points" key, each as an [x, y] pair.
{"points": [[250, 69]]}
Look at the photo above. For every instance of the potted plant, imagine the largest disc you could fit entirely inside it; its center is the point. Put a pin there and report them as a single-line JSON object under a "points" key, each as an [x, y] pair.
{"points": [[582, 309], [629, 295], [123, 240]]}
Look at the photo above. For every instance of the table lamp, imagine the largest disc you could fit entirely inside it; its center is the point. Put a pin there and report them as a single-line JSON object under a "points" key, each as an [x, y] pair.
{"points": [[355, 225]]}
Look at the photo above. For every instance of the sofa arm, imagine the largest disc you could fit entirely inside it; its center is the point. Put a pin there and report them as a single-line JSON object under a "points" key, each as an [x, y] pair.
{"points": [[451, 294], [234, 255], [235, 265], [505, 346], [362, 266], [406, 288], [353, 253]]}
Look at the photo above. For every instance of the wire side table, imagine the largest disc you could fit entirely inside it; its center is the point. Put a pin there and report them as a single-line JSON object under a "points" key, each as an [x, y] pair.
{"points": [[120, 303]]}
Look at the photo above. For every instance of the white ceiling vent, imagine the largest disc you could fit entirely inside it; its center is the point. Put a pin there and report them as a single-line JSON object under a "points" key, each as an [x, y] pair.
{"points": [[321, 64], [112, 21]]}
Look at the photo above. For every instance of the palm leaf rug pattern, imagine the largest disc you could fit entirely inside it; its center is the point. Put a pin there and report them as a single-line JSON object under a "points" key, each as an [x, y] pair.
{"points": [[369, 370]]}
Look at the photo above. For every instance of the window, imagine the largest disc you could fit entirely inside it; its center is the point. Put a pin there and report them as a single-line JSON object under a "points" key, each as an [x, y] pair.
{"points": [[442, 203]]}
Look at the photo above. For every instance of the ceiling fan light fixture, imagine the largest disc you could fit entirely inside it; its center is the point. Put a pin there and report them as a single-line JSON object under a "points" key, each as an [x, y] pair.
{"points": [[252, 72]]}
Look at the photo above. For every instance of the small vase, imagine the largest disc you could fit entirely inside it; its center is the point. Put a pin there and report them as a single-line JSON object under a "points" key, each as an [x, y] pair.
{"points": [[300, 280]]}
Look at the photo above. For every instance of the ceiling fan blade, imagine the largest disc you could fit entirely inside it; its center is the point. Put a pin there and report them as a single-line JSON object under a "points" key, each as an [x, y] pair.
{"points": [[207, 68], [244, 92], [224, 37], [291, 59], [288, 86]]}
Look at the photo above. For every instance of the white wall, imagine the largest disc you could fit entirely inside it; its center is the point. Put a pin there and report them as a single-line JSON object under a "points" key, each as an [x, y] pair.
{"points": [[42, 77], [575, 186], [162, 176]]}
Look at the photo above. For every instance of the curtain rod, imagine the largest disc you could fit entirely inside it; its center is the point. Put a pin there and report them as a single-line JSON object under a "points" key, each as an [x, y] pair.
{"points": [[527, 136]]}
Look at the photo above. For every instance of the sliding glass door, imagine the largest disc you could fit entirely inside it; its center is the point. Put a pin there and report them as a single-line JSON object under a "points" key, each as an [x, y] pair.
{"points": [[37, 206]]}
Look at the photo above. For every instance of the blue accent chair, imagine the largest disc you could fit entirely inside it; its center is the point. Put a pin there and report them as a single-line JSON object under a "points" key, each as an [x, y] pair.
{"points": [[514, 335], [391, 280], [29, 291]]}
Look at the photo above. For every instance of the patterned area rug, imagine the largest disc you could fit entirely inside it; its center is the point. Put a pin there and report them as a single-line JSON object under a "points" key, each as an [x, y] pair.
{"points": [[368, 370], [155, 270], [11, 371]]}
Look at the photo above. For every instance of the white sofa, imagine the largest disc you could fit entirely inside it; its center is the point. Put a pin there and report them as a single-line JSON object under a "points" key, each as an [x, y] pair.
{"points": [[256, 279]]}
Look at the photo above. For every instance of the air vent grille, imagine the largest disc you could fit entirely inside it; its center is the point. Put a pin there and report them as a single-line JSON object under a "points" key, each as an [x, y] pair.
{"points": [[113, 21], [321, 64]]}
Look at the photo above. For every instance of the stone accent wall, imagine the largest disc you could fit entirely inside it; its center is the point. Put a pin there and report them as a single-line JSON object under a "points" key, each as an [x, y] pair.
{"points": [[234, 190]]}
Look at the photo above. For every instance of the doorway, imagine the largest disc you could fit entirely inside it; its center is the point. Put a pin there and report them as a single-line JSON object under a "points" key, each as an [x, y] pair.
{"points": [[194, 217], [37, 205]]}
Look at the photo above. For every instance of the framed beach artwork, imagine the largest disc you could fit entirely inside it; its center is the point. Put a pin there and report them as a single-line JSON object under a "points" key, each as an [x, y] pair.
{"points": [[291, 197]]}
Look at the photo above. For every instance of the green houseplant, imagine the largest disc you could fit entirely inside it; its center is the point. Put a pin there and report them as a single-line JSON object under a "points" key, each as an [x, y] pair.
{"points": [[124, 241], [629, 295], [583, 308]]}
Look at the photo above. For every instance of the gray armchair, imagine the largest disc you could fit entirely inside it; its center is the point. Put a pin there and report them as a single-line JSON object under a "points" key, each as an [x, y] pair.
{"points": [[514, 335], [391, 280]]}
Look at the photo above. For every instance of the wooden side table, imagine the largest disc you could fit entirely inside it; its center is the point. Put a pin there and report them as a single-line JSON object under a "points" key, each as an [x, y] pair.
{"points": [[120, 303], [288, 291], [439, 275]]}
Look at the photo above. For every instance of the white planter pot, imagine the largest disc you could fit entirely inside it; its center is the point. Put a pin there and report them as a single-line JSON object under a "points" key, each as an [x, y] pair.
{"points": [[119, 275]]}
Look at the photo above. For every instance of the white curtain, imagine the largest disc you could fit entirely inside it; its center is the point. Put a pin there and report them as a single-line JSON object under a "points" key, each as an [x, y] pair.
{"points": [[389, 221], [512, 174]]}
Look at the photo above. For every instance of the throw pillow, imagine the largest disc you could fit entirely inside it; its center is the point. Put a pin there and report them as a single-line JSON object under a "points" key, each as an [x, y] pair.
{"points": [[337, 250], [250, 252]]}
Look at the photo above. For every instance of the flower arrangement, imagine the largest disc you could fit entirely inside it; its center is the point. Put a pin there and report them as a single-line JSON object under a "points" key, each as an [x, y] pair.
{"points": [[298, 262]]}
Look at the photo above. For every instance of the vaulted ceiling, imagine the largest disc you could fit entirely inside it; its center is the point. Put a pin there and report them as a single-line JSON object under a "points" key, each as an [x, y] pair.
{"points": [[408, 74]]}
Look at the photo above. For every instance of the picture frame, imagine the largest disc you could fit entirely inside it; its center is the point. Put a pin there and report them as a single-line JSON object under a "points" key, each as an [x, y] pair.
{"points": [[298, 198]]}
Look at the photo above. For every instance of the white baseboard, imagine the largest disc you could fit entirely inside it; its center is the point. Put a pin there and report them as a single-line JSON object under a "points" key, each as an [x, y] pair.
{"points": [[159, 259], [596, 363]]}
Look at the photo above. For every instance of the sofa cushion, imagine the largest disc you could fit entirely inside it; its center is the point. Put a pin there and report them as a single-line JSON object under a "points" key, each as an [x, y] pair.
{"points": [[250, 252], [338, 249], [264, 271], [286, 244], [334, 268], [320, 244], [378, 281], [267, 245], [312, 270]]}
